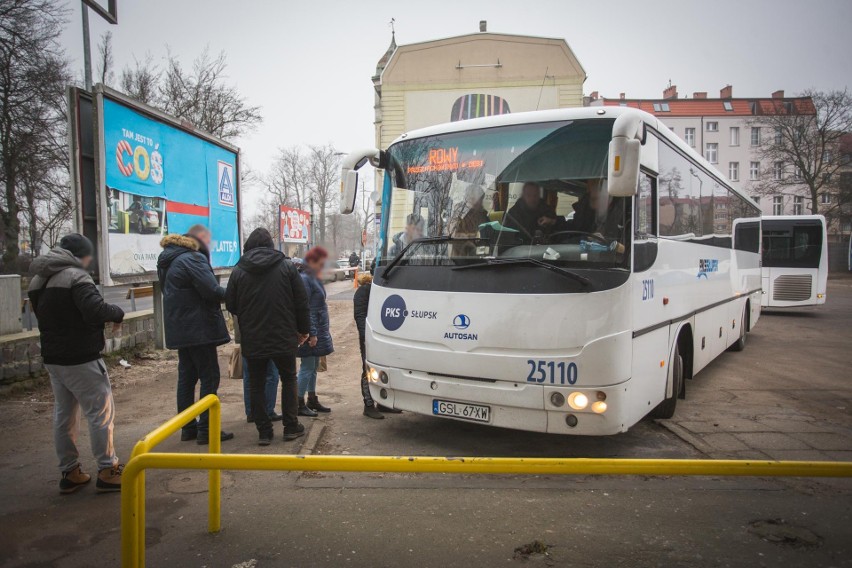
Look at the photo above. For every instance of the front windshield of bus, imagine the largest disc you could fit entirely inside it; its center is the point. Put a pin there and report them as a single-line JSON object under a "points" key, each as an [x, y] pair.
{"points": [[531, 194]]}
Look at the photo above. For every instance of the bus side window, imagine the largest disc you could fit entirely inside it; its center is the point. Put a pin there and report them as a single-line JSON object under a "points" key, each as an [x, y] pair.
{"points": [[645, 224]]}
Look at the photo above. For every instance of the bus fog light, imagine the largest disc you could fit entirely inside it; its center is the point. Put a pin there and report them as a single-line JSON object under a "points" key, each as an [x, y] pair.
{"points": [[578, 401], [557, 399], [599, 407], [383, 377], [374, 376], [383, 393], [601, 395], [571, 420]]}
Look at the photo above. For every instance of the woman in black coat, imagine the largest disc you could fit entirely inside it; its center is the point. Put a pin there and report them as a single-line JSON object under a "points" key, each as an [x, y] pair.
{"points": [[319, 342]]}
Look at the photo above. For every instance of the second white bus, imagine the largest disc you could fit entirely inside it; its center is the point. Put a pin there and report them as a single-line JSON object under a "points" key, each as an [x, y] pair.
{"points": [[795, 260]]}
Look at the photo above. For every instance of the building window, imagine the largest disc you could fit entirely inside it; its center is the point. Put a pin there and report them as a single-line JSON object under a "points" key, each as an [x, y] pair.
{"points": [[756, 199], [734, 171], [779, 135], [728, 106], [711, 153], [689, 136], [798, 205], [712, 127], [755, 136], [778, 171], [797, 173], [754, 171], [777, 205], [735, 136], [825, 199]]}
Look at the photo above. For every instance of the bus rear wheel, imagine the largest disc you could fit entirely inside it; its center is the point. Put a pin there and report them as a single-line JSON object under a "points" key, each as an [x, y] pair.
{"points": [[740, 343], [666, 409]]}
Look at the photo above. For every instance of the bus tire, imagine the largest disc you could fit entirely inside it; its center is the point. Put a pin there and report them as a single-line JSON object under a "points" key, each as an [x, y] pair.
{"points": [[666, 409], [740, 343]]}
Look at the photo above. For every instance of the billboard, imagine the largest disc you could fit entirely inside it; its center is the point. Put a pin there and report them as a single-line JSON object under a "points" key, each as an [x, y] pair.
{"points": [[294, 225], [157, 176]]}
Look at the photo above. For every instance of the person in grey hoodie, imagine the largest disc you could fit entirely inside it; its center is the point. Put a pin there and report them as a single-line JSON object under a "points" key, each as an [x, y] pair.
{"points": [[71, 316]]}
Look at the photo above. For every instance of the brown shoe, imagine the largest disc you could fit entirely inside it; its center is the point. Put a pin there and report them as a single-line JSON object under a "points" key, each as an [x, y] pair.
{"points": [[73, 480], [109, 480]]}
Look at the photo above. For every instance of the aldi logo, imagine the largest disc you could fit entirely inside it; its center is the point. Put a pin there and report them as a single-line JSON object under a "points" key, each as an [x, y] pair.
{"points": [[226, 184]]}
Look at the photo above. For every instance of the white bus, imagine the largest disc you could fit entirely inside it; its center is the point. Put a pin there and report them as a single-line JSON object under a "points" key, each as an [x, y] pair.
{"points": [[554, 271], [795, 260]]}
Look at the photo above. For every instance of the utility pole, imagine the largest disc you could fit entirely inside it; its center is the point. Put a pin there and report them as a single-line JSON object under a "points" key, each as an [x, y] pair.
{"points": [[110, 14]]}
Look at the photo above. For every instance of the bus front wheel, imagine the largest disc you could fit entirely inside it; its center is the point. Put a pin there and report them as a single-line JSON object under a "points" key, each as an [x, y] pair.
{"points": [[666, 409]]}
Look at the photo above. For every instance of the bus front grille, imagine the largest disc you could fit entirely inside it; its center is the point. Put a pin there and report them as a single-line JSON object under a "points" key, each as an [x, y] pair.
{"points": [[792, 288]]}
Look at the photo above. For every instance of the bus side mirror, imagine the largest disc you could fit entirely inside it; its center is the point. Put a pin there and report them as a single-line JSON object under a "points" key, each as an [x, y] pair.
{"points": [[349, 176], [623, 174]]}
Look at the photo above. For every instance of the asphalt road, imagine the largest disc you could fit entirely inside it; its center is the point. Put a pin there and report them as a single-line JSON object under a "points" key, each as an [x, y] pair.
{"points": [[786, 396]]}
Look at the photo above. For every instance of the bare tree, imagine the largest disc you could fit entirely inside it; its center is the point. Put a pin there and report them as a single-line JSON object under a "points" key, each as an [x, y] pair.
{"points": [[105, 59], [33, 75], [142, 80], [323, 174], [802, 150], [288, 181], [202, 96]]}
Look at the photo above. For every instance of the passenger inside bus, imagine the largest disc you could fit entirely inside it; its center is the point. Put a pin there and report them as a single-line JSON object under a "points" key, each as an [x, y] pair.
{"points": [[593, 216], [531, 215], [413, 230]]}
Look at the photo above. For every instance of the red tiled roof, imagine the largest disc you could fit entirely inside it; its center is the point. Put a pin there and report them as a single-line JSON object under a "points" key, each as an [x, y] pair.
{"points": [[715, 107]]}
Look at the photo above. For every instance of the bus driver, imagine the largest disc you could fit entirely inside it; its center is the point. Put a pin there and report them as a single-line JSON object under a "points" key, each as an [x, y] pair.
{"points": [[531, 214]]}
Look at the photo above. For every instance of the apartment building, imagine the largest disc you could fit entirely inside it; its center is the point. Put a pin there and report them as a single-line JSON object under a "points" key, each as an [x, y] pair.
{"points": [[727, 131]]}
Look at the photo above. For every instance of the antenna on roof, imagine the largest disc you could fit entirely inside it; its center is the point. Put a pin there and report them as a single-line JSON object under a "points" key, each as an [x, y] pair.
{"points": [[391, 24]]}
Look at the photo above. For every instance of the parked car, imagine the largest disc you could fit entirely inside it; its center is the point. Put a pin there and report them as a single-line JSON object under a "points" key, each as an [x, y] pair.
{"points": [[143, 218]]}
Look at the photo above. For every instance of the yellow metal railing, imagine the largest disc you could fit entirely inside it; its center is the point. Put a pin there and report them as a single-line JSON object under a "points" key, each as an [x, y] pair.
{"points": [[133, 490]]}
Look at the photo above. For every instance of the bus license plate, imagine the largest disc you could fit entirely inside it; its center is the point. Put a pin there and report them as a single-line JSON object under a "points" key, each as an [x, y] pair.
{"points": [[474, 412]]}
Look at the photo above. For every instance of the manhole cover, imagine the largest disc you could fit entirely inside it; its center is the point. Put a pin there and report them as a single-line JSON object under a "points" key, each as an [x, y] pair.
{"points": [[779, 531], [187, 482]]}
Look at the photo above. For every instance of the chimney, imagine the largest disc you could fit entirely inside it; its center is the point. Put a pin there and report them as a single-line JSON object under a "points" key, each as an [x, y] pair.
{"points": [[621, 96], [483, 25], [594, 95], [727, 92], [778, 94], [699, 95], [670, 92]]}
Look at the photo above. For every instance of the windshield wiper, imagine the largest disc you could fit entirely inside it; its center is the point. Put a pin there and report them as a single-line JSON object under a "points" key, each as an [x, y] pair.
{"points": [[535, 262], [427, 240]]}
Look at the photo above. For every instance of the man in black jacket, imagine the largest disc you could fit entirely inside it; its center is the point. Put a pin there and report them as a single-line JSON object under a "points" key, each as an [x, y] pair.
{"points": [[266, 294], [193, 320], [531, 214], [71, 316]]}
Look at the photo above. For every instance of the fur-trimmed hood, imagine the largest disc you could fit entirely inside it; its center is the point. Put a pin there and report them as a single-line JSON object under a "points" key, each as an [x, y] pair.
{"points": [[181, 241], [364, 278]]}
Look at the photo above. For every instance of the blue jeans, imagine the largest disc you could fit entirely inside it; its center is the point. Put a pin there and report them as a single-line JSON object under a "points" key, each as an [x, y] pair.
{"points": [[308, 375], [271, 387]]}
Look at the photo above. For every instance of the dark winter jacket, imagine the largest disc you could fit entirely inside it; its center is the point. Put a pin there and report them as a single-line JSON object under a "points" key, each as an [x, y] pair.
{"points": [[192, 298], [71, 312], [362, 304], [525, 220], [268, 298], [320, 327]]}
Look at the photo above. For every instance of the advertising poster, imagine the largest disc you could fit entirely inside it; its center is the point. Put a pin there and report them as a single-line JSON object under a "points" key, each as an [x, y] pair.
{"points": [[295, 225], [160, 180]]}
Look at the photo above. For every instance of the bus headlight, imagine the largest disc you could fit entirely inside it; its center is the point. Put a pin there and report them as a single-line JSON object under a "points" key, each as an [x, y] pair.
{"points": [[599, 407], [578, 401], [383, 377], [374, 376]]}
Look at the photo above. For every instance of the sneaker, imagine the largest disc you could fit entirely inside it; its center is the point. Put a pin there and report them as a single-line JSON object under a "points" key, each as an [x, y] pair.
{"points": [[265, 439], [109, 479], [204, 439], [291, 432], [315, 405], [188, 435], [304, 410], [72, 480], [373, 412]]}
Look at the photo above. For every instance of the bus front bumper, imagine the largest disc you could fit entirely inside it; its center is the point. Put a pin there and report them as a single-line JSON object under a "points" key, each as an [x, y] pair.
{"points": [[520, 406]]}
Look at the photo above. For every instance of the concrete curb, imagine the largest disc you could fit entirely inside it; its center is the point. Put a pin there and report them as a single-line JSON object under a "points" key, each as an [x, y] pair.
{"points": [[313, 438]]}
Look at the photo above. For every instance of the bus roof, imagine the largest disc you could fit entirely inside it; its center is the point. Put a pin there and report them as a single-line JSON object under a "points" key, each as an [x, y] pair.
{"points": [[577, 113], [820, 218]]}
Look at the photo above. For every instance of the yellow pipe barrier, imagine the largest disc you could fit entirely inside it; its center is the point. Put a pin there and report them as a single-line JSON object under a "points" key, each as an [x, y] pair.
{"points": [[136, 520], [132, 498]]}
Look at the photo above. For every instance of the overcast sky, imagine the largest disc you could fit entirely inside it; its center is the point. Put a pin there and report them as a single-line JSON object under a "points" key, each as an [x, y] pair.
{"points": [[308, 64]]}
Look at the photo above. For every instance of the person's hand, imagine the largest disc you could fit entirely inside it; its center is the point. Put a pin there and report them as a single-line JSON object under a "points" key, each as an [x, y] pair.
{"points": [[116, 327], [312, 341], [302, 337], [546, 221]]}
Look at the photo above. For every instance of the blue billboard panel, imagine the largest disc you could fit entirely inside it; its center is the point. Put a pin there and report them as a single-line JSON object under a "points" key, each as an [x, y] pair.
{"points": [[161, 179]]}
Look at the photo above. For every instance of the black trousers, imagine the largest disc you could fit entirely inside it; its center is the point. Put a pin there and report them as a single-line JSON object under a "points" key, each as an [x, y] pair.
{"points": [[286, 365], [365, 385], [197, 364]]}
